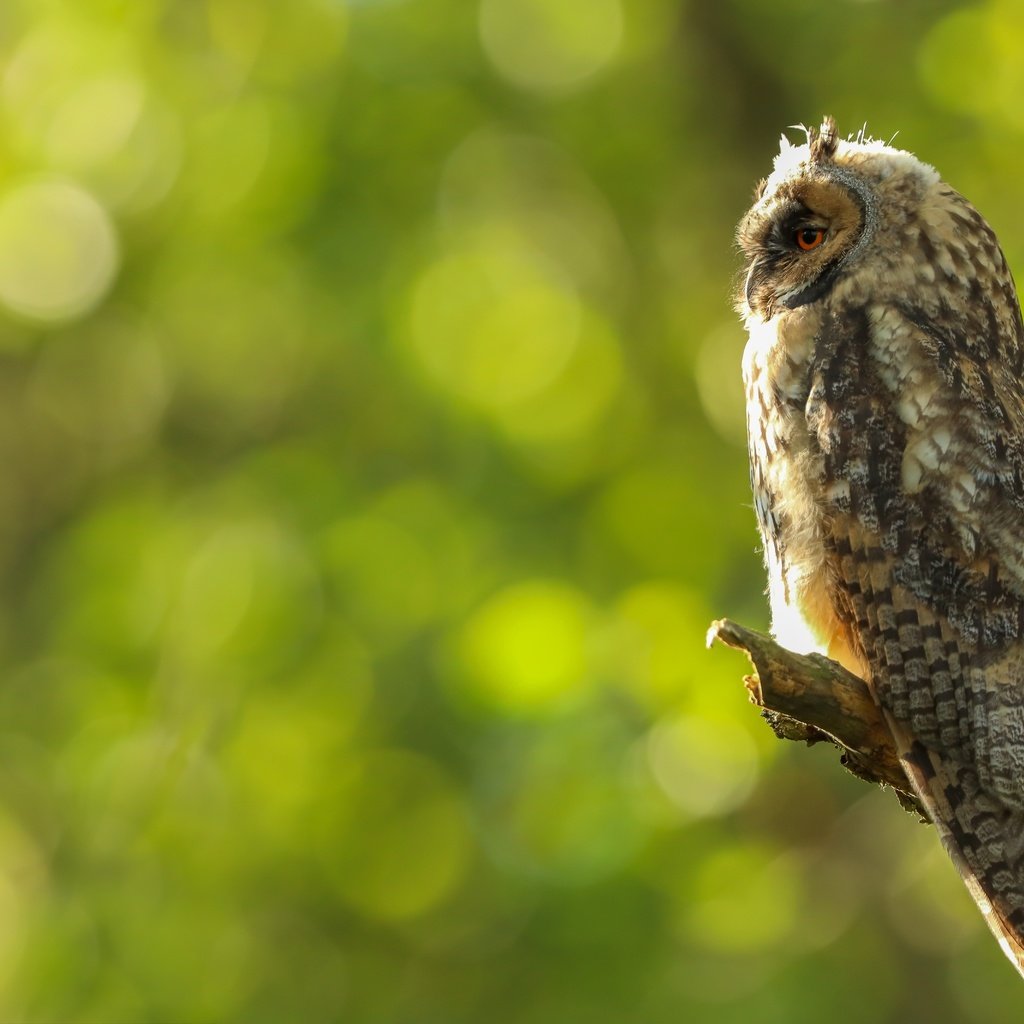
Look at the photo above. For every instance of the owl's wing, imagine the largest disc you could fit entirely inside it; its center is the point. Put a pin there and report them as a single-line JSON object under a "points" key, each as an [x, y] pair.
{"points": [[920, 528], [966, 442]]}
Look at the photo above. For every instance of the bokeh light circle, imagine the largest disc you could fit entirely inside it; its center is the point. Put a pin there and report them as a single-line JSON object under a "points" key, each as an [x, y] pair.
{"points": [[547, 47], [493, 327], [705, 768], [525, 650], [59, 251]]}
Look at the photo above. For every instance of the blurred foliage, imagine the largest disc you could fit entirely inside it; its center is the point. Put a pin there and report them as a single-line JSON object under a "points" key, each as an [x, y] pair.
{"points": [[371, 465]]}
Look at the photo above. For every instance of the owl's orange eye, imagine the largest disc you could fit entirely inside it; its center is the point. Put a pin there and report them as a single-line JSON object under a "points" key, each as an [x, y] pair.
{"points": [[809, 238]]}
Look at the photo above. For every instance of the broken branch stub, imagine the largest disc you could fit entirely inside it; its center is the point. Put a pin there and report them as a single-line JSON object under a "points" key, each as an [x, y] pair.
{"points": [[810, 698]]}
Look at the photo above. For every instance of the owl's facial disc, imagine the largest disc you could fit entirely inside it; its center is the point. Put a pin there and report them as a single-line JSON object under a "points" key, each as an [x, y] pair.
{"points": [[798, 239]]}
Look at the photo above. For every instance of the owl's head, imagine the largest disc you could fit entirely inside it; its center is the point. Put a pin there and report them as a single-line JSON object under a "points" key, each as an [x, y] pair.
{"points": [[821, 214]]}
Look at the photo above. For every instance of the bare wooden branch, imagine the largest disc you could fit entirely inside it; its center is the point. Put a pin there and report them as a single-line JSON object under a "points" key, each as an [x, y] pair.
{"points": [[811, 698]]}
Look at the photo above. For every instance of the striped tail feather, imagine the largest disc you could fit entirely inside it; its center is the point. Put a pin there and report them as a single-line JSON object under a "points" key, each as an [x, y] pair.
{"points": [[984, 839]]}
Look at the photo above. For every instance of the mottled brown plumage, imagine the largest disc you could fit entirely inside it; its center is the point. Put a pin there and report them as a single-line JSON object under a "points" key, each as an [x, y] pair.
{"points": [[886, 434]]}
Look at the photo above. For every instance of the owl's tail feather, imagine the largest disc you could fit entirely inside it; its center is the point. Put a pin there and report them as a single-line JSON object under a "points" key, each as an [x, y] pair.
{"points": [[984, 839]]}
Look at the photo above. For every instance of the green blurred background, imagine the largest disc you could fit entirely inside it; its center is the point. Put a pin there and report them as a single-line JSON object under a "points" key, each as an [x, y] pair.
{"points": [[371, 466]]}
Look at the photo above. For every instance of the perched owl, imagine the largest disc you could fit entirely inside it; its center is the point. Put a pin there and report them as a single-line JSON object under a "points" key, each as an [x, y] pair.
{"points": [[885, 416]]}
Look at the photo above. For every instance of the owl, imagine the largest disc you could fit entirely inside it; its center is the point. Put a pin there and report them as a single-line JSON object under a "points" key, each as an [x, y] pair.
{"points": [[885, 419]]}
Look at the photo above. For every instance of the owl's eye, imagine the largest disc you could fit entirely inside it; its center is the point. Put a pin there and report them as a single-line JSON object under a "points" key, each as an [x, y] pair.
{"points": [[809, 238]]}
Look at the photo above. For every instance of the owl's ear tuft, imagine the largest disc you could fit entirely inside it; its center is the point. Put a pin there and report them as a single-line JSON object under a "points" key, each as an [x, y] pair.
{"points": [[823, 140]]}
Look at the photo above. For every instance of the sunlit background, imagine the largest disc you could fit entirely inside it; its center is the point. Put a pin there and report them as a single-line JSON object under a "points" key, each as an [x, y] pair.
{"points": [[371, 466]]}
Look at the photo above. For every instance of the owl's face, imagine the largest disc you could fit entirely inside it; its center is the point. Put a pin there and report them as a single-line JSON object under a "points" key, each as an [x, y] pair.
{"points": [[827, 207]]}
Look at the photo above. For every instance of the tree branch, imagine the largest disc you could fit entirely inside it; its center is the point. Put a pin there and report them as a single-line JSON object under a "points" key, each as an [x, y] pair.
{"points": [[811, 698]]}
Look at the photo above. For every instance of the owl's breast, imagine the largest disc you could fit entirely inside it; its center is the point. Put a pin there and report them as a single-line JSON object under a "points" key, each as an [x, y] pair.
{"points": [[786, 478]]}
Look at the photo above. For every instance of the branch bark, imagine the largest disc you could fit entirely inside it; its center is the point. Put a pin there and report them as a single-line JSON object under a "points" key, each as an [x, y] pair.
{"points": [[811, 698]]}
